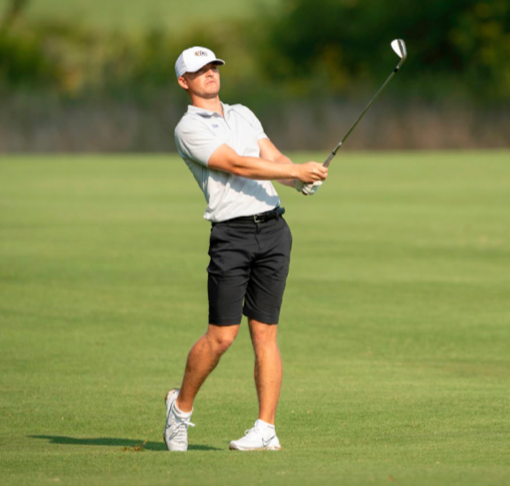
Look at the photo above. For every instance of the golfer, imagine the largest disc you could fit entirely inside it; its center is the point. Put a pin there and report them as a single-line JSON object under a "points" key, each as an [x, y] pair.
{"points": [[233, 161]]}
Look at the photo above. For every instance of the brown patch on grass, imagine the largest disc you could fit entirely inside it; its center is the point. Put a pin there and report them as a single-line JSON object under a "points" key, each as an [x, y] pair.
{"points": [[136, 448]]}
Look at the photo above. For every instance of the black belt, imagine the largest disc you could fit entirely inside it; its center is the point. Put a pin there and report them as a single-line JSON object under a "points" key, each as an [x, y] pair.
{"points": [[257, 218]]}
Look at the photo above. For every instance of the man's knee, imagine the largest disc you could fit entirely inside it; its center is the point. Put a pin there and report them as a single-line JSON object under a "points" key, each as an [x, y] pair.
{"points": [[263, 334], [221, 337]]}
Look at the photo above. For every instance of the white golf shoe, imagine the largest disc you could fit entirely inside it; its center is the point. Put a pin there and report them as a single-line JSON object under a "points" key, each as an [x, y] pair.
{"points": [[177, 423], [262, 437]]}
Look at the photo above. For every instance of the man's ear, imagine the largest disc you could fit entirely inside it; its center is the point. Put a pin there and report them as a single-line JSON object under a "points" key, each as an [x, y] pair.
{"points": [[183, 83]]}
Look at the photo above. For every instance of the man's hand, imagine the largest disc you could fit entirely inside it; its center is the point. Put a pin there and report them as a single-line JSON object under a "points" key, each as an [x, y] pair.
{"points": [[307, 189], [311, 172]]}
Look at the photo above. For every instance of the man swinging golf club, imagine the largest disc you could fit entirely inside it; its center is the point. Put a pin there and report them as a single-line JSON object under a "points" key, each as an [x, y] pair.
{"points": [[234, 162]]}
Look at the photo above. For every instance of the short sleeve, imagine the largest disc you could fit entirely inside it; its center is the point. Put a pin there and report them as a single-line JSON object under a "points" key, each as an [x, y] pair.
{"points": [[195, 141], [252, 119]]}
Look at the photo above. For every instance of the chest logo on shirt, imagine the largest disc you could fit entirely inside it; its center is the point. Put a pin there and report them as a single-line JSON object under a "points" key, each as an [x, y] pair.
{"points": [[215, 125]]}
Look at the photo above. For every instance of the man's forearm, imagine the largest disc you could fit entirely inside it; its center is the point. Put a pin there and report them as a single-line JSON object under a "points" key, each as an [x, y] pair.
{"points": [[282, 159], [261, 169], [277, 168]]}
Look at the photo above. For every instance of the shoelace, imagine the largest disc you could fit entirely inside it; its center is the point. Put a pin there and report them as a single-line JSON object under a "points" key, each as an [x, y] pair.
{"points": [[253, 430], [257, 433], [188, 423], [181, 428]]}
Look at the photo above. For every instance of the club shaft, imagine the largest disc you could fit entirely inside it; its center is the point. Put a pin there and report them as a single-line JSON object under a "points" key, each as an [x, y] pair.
{"points": [[332, 154]]}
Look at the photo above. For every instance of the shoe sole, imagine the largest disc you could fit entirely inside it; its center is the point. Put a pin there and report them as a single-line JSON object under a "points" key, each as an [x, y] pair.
{"points": [[268, 448]]}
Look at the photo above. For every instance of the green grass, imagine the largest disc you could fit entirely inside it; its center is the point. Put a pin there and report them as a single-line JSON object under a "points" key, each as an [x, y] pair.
{"points": [[174, 15], [394, 333]]}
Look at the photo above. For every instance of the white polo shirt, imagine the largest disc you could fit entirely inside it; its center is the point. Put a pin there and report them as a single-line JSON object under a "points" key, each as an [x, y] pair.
{"points": [[198, 134]]}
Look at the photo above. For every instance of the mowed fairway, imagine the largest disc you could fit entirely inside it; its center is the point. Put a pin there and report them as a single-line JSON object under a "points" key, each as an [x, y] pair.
{"points": [[395, 330]]}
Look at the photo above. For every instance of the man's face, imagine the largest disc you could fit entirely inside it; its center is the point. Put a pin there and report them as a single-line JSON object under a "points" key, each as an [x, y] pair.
{"points": [[205, 83]]}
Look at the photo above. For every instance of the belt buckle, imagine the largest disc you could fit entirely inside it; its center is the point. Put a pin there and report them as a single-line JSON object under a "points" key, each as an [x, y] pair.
{"points": [[258, 218]]}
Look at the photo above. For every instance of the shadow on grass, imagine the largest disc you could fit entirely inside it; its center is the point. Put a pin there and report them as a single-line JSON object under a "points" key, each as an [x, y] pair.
{"points": [[127, 444]]}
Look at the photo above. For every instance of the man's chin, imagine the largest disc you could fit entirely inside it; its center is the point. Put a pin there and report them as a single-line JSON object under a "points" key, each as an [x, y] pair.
{"points": [[211, 94]]}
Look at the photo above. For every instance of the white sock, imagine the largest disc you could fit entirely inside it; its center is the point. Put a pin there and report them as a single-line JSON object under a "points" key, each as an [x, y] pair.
{"points": [[182, 414], [264, 425]]}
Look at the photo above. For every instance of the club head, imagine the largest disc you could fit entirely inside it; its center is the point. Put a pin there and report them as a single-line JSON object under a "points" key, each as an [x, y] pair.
{"points": [[399, 46]]}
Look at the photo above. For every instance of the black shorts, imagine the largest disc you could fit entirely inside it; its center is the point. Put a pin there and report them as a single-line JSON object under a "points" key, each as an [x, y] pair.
{"points": [[248, 271]]}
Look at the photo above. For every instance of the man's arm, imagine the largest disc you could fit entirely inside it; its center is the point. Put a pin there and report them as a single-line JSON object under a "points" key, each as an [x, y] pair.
{"points": [[226, 159], [269, 151]]}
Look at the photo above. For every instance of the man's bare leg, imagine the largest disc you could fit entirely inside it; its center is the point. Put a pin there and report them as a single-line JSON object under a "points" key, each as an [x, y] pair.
{"points": [[268, 368], [202, 359]]}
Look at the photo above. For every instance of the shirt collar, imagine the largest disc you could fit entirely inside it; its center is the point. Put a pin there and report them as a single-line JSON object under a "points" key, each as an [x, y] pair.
{"points": [[208, 113]]}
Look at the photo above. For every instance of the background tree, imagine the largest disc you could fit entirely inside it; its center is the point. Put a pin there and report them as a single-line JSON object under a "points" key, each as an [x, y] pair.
{"points": [[459, 47]]}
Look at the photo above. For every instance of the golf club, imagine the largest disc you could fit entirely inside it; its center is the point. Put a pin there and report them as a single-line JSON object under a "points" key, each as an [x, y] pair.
{"points": [[398, 45]]}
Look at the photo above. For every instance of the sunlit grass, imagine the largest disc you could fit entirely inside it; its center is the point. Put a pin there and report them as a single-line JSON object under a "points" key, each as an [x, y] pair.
{"points": [[394, 332]]}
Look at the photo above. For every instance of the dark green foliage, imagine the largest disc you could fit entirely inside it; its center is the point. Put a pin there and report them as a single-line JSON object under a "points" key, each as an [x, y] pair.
{"points": [[24, 63], [457, 49], [461, 43]]}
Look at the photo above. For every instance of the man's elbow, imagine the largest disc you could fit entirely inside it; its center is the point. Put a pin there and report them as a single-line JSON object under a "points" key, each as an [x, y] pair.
{"points": [[234, 166], [239, 169]]}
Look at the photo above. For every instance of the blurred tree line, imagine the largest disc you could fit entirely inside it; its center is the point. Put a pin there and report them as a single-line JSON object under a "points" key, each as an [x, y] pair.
{"points": [[66, 85], [458, 48]]}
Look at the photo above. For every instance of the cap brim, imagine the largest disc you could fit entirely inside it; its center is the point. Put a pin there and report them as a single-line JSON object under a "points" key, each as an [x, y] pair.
{"points": [[218, 62]]}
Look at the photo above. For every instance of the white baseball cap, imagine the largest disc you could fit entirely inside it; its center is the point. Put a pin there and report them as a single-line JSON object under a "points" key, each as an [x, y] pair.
{"points": [[195, 58]]}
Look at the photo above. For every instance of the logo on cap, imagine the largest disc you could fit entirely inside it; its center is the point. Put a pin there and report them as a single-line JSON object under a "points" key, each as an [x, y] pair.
{"points": [[200, 53]]}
